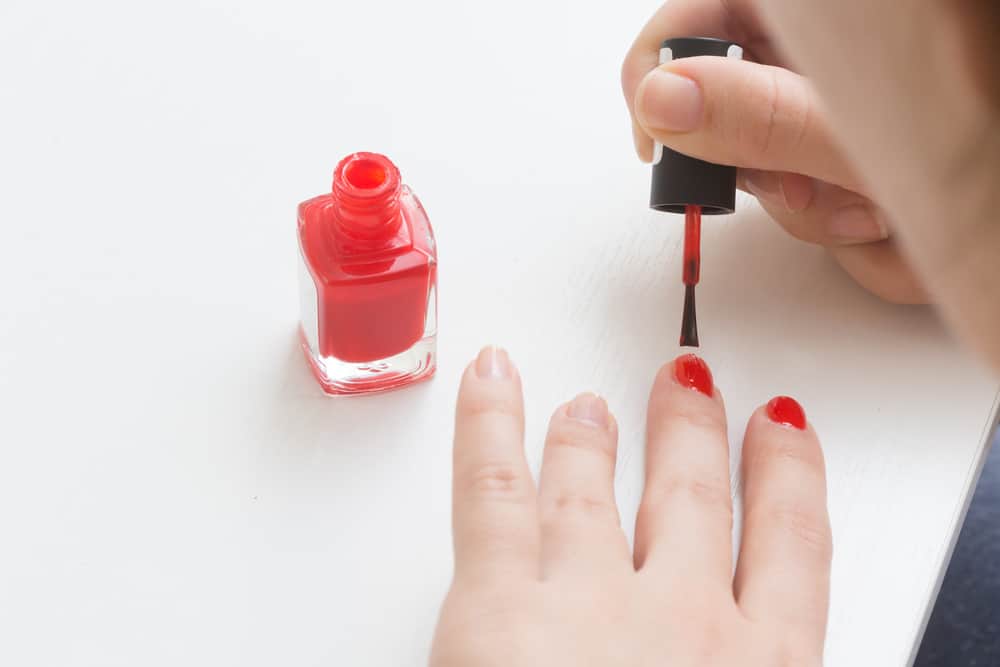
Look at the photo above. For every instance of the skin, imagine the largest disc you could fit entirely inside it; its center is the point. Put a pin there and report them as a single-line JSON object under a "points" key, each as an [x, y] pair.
{"points": [[849, 105], [544, 576], [928, 144]]}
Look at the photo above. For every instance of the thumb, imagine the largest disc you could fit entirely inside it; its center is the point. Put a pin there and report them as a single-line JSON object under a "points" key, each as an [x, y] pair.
{"points": [[742, 114]]}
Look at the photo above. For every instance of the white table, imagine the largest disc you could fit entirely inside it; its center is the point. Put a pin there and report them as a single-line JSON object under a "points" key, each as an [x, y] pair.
{"points": [[173, 487]]}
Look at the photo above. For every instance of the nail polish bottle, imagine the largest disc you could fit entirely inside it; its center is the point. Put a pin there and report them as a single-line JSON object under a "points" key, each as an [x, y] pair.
{"points": [[368, 281]]}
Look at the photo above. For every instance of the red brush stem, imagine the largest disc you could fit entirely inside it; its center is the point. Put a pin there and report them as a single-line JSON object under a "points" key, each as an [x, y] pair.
{"points": [[692, 244]]}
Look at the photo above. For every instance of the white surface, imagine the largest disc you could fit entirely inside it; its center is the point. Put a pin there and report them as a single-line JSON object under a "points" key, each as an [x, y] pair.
{"points": [[173, 488]]}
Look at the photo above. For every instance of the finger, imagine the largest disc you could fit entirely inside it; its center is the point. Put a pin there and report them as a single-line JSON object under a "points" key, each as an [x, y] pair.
{"points": [[846, 222], [815, 211], [882, 269], [684, 525], [494, 513], [784, 565], [741, 113], [643, 144], [708, 18], [581, 531]]}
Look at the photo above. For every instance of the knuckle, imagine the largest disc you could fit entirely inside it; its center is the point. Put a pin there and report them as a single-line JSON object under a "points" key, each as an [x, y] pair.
{"points": [[498, 481], [782, 121], [752, 115], [579, 505], [763, 138], [489, 407], [805, 527], [788, 454], [702, 416], [564, 436], [710, 493], [802, 122], [702, 419]]}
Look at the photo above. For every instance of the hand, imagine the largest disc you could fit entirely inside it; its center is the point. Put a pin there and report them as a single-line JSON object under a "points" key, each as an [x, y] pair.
{"points": [[547, 577], [761, 116], [914, 97]]}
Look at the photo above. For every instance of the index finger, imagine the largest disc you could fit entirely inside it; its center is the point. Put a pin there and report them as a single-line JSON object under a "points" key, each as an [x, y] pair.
{"points": [[678, 18]]}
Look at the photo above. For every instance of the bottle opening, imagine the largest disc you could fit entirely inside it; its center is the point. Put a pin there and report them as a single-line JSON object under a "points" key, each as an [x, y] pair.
{"points": [[365, 174], [366, 188]]}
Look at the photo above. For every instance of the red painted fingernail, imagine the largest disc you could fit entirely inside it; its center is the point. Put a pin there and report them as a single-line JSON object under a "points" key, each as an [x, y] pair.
{"points": [[787, 412], [692, 372]]}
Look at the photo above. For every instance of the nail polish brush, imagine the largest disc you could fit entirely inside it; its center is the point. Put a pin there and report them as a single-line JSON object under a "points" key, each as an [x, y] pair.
{"points": [[683, 184]]}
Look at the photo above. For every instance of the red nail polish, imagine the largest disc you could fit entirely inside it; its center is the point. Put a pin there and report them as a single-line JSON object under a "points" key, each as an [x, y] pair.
{"points": [[367, 280], [691, 371], [786, 411]]}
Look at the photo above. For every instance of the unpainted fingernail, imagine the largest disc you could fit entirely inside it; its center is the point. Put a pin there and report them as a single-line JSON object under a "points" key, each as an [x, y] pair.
{"points": [[797, 191], [643, 144], [792, 191], [858, 223], [493, 363], [764, 185], [590, 409], [668, 101]]}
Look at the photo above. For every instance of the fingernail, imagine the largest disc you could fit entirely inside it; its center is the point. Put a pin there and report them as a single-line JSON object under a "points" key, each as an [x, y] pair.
{"points": [[856, 223], [493, 364], [792, 191], [786, 411], [590, 409], [668, 101], [643, 144], [692, 372], [763, 185], [797, 191]]}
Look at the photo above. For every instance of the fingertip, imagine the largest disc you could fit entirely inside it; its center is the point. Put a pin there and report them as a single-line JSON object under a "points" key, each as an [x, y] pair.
{"points": [[493, 363], [638, 62], [490, 383], [779, 417], [589, 409], [688, 371], [781, 427], [643, 143], [786, 411]]}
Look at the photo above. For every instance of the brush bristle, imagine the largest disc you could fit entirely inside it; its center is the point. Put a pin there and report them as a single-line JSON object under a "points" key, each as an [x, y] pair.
{"points": [[689, 325]]}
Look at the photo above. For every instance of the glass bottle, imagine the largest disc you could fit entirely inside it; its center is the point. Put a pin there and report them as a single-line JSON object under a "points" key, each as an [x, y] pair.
{"points": [[368, 279]]}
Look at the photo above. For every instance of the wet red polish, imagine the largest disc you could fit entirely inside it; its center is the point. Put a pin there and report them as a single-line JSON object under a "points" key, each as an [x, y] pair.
{"points": [[786, 411], [368, 280], [691, 371]]}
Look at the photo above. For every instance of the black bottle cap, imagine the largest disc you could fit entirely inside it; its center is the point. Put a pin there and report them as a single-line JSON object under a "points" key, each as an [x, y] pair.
{"points": [[680, 180]]}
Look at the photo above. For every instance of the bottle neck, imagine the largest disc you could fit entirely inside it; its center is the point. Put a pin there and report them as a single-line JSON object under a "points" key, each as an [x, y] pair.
{"points": [[366, 189]]}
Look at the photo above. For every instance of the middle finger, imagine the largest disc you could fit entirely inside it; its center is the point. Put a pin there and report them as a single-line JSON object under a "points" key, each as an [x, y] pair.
{"points": [[684, 525]]}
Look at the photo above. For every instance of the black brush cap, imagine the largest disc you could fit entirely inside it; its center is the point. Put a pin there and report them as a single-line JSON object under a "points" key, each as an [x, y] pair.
{"points": [[679, 180]]}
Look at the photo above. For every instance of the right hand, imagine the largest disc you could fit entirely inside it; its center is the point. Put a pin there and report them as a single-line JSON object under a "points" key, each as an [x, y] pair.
{"points": [[761, 116]]}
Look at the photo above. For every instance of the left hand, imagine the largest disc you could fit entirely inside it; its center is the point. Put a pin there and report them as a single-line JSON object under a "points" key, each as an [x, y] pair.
{"points": [[761, 116], [548, 578]]}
